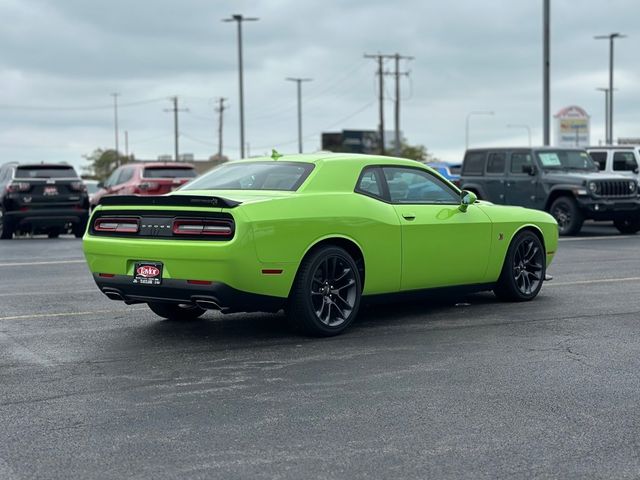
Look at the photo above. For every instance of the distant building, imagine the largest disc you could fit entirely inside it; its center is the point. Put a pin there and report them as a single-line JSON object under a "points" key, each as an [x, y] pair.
{"points": [[357, 141], [572, 127]]}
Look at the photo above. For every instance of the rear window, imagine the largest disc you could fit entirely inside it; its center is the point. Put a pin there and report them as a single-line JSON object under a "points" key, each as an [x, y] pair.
{"points": [[474, 163], [46, 171], [170, 172], [600, 158], [286, 176]]}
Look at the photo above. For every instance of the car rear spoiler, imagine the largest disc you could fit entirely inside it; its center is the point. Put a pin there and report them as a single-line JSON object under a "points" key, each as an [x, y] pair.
{"points": [[168, 201]]}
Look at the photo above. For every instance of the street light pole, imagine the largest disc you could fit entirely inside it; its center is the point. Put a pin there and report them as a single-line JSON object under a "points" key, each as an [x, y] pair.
{"points": [[115, 122], [611, 37], [299, 88], [546, 136], [522, 125], [466, 130], [606, 112], [239, 19]]}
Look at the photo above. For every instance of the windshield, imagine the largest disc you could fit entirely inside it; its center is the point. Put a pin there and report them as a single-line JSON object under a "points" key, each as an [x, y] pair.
{"points": [[567, 160], [286, 176], [169, 172], [46, 171]]}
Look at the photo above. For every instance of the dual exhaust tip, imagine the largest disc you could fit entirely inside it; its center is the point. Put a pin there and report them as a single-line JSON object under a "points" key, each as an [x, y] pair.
{"points": [[205, 303]]}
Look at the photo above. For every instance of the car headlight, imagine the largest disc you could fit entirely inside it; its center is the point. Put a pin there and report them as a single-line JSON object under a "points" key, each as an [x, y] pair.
{"points": [[632, 186], [593, 187]]}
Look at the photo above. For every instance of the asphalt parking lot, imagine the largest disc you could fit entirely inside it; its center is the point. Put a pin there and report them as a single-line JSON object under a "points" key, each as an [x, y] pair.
{"points": [[464, 388]]}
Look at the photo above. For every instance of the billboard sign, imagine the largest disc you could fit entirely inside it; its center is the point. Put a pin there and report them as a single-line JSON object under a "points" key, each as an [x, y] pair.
{"points": [[572, 127]]}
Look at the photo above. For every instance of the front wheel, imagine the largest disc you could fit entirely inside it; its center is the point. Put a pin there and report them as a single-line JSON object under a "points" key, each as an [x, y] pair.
{"points": [[325, 297], [628, 225], [172, 311], [523, 270], [569, 217]]}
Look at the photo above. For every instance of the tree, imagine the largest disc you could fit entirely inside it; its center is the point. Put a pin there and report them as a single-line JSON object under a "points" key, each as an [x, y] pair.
{"points": [[416, 152], [103, 162]]}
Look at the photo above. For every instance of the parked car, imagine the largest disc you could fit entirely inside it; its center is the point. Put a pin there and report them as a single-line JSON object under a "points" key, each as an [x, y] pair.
{"points": [[616, 159], [42, 198], [448, 170], [312, 234], [146, 178], [564, 182], [92, 188]]}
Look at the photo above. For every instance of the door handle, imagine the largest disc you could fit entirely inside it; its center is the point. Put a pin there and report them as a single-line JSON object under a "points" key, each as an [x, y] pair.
{"points": [[409, 216]]}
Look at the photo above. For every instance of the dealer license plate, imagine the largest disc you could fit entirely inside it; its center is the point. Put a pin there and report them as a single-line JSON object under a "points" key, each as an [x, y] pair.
{"points": [[147, 273]]}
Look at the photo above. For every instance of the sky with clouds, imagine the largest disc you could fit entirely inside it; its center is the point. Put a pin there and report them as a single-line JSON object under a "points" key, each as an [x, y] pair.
{"points": [[60, 61]]}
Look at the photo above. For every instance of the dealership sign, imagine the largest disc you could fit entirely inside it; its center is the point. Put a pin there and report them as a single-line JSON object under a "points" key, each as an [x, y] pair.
{"points": [[572, 127]]}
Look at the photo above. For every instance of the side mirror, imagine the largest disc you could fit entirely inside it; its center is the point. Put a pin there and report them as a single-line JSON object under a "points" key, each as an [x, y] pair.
{"points": [[529, 169], [100, 185], [466, 198]]}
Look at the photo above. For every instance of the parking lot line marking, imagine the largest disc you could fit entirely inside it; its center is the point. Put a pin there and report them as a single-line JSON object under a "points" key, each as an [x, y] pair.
{"points": [[26, 264], [66, 314], [602, 237], [601, 280], [53, 292]]}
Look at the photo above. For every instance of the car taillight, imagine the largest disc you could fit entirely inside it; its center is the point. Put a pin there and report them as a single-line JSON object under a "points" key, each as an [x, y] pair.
{"points": [[18, 187], [148, 186], [78, 186], [222, 228], [117, 225]]}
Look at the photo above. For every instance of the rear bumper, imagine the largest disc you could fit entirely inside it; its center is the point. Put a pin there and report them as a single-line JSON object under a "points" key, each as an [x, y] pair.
{"points": [[604, 209], [217, 296], [47, 216]]}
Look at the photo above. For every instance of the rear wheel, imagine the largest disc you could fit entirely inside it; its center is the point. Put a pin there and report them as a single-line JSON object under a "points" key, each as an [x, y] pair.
{"points": [[628, 225], [523, 270], [6, 232], [78, 229], [325, 297], [569, 217], [173, 311]]}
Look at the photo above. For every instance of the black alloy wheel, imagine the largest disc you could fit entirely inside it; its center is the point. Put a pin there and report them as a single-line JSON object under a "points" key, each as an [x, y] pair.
{"points": [[176, 311], [566, 212], [523, 270], [326, 294]]}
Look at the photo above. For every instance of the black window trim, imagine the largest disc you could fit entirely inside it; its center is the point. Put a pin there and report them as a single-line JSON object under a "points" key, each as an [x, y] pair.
{"points": [[385, 187], [510, 172]]}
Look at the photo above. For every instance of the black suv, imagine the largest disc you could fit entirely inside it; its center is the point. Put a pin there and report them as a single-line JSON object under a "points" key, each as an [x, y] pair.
{"points": [[42, 198], [564, 182]]}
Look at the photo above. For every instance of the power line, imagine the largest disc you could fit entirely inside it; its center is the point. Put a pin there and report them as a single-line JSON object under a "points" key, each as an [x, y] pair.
{"points": [[80, 108]]}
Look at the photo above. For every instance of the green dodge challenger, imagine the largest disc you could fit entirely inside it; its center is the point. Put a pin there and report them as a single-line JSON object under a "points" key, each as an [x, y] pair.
{"points": [[312, 234]]}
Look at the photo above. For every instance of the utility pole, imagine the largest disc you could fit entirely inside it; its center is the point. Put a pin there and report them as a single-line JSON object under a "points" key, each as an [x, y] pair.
{"points": [[219, 110], [299, 89], [606, 112], [380, 73], [176, 134], [126, 144], [611, 37], [115, 122], [239, 19], [545, 73], [398, 141]]}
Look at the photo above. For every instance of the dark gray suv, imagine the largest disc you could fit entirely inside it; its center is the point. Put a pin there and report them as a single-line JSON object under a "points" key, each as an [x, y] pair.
{"points": [[563, 182]]}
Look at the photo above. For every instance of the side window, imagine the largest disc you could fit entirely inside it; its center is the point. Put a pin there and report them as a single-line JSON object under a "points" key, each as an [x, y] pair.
{"points": [[370, 182], [111, 181], [600, 158], [519, 160], [496, 162], [410, 185], [624, 161], [474, 163], [125, 175]]}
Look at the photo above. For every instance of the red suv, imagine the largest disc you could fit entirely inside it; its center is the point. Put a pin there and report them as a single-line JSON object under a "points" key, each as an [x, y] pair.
{"points": [[145, 179]]}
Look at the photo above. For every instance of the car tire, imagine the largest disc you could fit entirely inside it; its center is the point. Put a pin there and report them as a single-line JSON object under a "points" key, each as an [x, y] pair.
{"points": [[325, 296], [78, 230], [569, 217], [524, 269], [627, 225], [6, 232], [173, 311]]}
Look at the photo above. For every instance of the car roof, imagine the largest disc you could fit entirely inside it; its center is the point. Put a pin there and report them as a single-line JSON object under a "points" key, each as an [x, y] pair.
{"points": [[612, 147], [161, 164], [327, 157], [543, 148], [43, 164]]}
